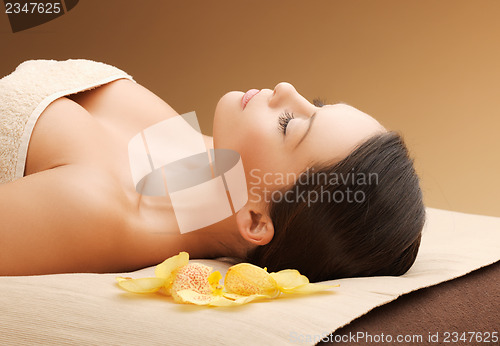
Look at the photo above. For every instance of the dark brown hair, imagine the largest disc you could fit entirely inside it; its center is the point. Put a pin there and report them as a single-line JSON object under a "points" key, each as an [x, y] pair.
{"points": [[376, 232]]}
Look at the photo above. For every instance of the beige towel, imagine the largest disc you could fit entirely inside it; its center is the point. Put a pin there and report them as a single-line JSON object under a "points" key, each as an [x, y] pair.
{"points": [[89, 309], [26, 92]]}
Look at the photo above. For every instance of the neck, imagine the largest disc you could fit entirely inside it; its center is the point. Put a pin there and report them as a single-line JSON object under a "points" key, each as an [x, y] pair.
{"points": [[221, 239]]}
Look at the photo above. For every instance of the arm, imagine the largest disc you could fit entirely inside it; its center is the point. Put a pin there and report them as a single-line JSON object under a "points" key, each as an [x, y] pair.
{"points": [[59, 220]]}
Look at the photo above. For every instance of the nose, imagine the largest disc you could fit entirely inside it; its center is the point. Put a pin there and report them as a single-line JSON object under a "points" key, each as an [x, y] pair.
{"points": [[286, 96], [282, 92]]}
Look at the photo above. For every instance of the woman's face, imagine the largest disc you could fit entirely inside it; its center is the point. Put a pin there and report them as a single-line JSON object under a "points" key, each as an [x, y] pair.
{"points": [[279, 132]]}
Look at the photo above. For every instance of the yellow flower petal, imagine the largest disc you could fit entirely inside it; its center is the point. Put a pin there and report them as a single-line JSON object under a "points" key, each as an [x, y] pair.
{"points": [[165, 269], [310, 288], [144, 285], [289, 278], [193, 276], [215, 277], [247, 279], [213, 280], [239, 299], [190, 296], [291, 281], [221, 301]]}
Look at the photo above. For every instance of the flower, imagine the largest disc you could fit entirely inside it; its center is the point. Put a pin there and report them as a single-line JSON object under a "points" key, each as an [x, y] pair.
{"points": [[195, 283], [247, 279], [174, 275]]}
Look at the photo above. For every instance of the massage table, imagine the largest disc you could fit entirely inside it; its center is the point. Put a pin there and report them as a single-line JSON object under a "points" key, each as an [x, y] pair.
{"points": [[445, 291]]}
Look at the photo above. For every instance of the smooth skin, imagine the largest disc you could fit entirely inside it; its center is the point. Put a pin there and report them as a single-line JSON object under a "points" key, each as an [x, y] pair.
{"points": [[76, 209]]}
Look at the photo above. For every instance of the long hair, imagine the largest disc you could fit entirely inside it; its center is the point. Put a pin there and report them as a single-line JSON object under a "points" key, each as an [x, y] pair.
{"points": [[362, 216]]}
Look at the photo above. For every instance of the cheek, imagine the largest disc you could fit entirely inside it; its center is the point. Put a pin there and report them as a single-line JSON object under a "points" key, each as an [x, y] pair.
{"points": [[245, 133], [258, 143], [254, 134], [265, 166], [257, 153], [252, 149]]}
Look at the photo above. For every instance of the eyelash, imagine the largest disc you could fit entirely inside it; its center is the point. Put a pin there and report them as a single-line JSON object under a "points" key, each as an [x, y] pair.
{"points": [[283, 121], [286, 116]]}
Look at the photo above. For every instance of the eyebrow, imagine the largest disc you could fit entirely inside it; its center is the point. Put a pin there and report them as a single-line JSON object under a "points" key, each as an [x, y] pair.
{"points": [[311, 119]]}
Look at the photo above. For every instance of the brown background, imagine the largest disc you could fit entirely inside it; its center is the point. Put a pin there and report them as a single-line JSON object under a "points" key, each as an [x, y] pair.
{"points": [[430, 69]]}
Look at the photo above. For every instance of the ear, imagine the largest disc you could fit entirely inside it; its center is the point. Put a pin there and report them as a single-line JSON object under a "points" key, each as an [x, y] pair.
{"points": [[254, 224]]}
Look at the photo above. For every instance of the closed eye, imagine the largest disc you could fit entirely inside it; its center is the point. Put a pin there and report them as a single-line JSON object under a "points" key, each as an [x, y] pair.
{"points": [[283, 121]]}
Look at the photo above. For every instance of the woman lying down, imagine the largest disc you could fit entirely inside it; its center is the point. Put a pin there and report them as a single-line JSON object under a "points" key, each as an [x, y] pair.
{"points": [[69, 204]]}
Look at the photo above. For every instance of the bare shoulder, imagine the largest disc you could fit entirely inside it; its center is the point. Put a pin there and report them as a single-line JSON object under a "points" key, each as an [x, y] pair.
{"points": [[124, 100], [65, 219]]}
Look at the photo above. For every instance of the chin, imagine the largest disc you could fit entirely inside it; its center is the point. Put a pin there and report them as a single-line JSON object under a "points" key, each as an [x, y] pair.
{"points": [[229, 103], [225, 119]]}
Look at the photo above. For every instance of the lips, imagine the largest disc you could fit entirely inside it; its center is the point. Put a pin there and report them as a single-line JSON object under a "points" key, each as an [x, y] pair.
{"points": [[248, 96]]}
